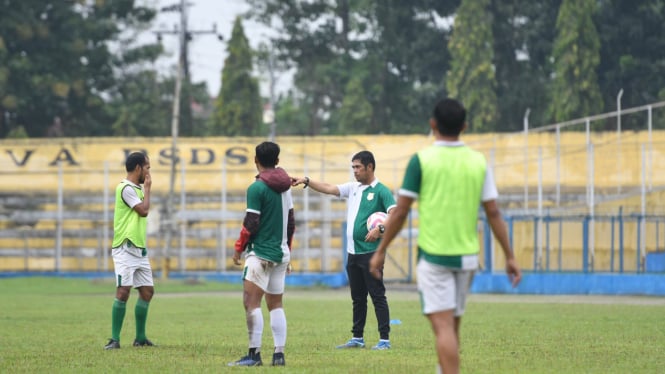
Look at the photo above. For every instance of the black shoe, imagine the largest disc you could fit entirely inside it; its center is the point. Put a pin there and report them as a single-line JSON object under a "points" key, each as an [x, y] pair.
{"points": [[145, 343], [112, 344], [249, 360], [278, 359]]}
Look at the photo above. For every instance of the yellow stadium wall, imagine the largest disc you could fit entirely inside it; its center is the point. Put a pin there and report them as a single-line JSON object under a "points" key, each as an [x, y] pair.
{"points": [[31, 165]]}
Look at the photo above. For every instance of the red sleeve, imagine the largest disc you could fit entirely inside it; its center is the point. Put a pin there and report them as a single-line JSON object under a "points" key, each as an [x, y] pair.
{"points": [[249, 225]]}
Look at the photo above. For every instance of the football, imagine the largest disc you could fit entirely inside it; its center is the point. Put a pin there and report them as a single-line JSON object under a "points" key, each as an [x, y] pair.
{"points": [[375, 219]]}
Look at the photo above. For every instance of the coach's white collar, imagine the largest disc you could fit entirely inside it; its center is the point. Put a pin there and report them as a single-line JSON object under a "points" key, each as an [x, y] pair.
{"points": [[373, 184]]}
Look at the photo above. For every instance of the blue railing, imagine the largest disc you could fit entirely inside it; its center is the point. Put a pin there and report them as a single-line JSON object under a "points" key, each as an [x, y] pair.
{"points": [[616, 249]]}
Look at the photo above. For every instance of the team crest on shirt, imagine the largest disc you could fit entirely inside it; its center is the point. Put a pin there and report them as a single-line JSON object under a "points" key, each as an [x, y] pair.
{"points": [[370, 196]]}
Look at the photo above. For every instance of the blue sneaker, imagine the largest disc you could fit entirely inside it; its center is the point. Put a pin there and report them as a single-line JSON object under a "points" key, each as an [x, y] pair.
{"points": [[382, 345], [353, 343], [249, 360]]}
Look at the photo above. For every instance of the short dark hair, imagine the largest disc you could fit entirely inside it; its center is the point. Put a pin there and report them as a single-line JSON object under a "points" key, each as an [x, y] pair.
{"points": [[365, 158], [450, 117], [267, 154], [135, 159]]}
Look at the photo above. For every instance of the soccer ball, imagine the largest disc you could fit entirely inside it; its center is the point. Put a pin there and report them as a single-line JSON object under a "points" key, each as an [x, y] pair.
{"points": [[375, 219]]}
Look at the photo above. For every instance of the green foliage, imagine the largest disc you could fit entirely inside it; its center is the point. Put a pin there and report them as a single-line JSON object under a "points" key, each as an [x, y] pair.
{"points": [[139, 107], [356, 111], [291, 117], [200, 327], [17, 132], [82, 62], [238, 109], [200, 99], [575, 92], [393, 47], [631, 54], [59, 63], [523, 34], [471, 77]]}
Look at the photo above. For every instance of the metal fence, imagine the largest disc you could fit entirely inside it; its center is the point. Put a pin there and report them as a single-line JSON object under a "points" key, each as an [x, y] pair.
{"points": [[584, 206], [69, 238]]}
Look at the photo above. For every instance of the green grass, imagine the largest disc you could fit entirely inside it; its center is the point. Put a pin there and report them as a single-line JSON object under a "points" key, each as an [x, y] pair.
{"points": [[60, 325]]}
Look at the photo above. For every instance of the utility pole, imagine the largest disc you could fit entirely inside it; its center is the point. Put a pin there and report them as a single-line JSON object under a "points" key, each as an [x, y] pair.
{"points": [[184, 35], [185, 122]]}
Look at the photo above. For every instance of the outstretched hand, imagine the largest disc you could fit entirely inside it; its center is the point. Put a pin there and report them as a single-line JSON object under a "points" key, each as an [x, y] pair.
{"points": [[297, 181]]}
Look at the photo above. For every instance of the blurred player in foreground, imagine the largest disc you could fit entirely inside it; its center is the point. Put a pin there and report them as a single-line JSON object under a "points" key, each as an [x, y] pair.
{"points": [[450, 181], [266, 235], [130, 256]]}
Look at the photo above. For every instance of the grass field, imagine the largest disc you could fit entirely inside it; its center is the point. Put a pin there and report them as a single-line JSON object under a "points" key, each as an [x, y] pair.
{"points": [[60, 325]]}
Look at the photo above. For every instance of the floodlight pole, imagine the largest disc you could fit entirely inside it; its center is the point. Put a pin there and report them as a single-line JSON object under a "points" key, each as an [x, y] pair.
{"points": [[175, 122], [619, 170], [526, 158]]}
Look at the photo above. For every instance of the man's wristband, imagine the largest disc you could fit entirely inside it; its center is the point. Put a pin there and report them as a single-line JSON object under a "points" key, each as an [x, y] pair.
{"points": [[306, 182]]}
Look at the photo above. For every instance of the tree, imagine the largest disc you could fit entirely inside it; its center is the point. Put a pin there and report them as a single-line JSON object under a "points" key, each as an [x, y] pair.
{"points": [[201, 107], [356, 111], [471, 78], [523, 31], [576, 55], [57, 62], [405, 61], [291, 114], [139, 106], [393, 47], [632, 54], [238, 109]]}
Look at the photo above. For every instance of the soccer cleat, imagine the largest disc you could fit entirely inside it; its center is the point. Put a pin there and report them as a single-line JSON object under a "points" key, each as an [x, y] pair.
{"points": [[382, 345], [278, 359], [112, 344], [145, 343], [249, 360], [353, 343]]}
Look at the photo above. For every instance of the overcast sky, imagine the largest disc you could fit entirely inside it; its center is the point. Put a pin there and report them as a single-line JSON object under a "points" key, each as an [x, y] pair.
{"points": [[206, 52]]}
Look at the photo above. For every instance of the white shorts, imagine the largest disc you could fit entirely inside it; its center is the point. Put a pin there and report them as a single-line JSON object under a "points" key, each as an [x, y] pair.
{"points": [[131, 269], [443, 288], [269, 276]]}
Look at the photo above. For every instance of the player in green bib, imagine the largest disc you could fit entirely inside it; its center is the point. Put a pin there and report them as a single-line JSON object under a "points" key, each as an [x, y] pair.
{"points": [[451, 181], [130, 256], [365, 196], [266, 236]]}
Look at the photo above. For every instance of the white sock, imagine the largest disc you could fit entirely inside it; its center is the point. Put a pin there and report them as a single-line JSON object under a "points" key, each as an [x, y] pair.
{"points": [[278, 325], [255, 328]]}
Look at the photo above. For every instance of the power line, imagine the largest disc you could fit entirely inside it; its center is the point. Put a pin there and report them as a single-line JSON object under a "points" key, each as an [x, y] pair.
{"points": [[186, 33]]}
